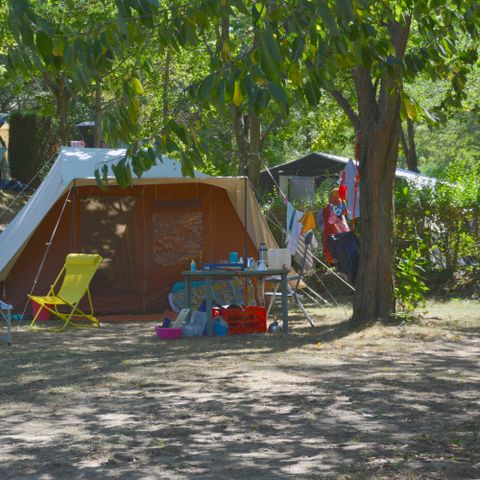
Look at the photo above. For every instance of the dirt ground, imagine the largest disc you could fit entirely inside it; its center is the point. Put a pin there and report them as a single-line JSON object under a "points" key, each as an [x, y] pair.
{"points": [[399, 402]]}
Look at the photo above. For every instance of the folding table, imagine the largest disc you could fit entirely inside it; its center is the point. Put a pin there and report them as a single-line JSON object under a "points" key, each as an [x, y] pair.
{"points": [[208, 275]]}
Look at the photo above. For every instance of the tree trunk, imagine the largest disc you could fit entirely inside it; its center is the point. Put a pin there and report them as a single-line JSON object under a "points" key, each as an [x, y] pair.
{"points": [[379, 117], [254, 164], [241, 139], [247, 128], [375, 279], [411, 156], [97, 134], [62, 103]]}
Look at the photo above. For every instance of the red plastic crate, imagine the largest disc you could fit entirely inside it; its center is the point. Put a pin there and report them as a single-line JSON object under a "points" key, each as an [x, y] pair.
{"points": [[250, 319]]}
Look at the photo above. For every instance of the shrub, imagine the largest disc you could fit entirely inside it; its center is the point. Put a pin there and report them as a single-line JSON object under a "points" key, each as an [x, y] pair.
{"points": [[443, 217], [410, 287], [30, 141]]}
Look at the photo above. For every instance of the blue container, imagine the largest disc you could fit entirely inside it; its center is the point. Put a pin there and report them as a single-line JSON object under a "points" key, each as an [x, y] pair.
{"points": [[233, 257], [220, 327]]}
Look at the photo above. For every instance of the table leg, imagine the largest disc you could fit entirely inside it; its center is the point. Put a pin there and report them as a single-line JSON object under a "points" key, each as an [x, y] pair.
{"points": [[285, 302], [188, 293], [261, 291], [208, 302], [9, 327]]}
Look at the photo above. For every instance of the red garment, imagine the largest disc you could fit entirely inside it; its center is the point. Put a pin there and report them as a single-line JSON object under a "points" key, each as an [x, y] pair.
{"points": [[331, 229]]}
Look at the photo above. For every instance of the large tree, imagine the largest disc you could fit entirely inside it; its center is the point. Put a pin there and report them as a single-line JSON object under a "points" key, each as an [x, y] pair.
{"points": [[306, 48]]}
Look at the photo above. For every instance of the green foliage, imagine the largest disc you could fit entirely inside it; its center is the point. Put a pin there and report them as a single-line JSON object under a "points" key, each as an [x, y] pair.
{"points": [[453, 141], [410, 287], [445, 217], [29, 144]]}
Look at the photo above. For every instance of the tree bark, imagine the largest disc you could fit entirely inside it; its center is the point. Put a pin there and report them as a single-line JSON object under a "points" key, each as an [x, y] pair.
{"points": [[408, 146], [246, 127], [254, 163], [240, 123], [62, 98], [240, 128]]}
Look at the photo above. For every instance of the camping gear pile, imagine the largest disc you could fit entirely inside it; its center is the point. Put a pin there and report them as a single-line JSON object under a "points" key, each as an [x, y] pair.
{"points": [[229, 320]]}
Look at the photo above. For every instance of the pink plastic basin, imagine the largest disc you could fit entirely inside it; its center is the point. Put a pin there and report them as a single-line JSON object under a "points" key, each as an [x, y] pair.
{"points": [[44, 314], [168, 333]]}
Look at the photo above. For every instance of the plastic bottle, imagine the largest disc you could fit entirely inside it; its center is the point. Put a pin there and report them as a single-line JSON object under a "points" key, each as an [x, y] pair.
{"points": [[262, 252], [193, 266]]}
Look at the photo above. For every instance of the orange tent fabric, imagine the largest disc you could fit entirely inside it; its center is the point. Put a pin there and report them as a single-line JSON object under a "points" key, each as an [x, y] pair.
{"points": [[147, 235]]}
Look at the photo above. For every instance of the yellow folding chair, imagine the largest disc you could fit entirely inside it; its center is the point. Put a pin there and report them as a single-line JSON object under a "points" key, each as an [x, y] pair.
{"points": [[77, 273]]}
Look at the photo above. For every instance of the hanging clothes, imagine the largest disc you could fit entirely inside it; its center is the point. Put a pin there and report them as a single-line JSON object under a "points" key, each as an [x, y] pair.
{"points": [[308, 222], [338, 210], [352, 179], [344, 249], [332, 225], [294, 229], [342, 189], [290, 220]]}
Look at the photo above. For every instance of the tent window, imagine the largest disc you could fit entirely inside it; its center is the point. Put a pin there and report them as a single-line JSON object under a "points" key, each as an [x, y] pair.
{"points": [[177, 237]]}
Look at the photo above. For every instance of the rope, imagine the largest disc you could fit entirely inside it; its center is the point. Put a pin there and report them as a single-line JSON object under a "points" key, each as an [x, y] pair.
{"points": [[45, 254]]}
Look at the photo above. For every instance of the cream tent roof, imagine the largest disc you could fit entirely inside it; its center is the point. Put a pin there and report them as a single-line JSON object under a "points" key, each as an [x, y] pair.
{"points": [[76, 167]]}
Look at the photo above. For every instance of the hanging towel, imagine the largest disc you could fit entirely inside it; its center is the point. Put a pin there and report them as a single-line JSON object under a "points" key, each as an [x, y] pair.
{"points": [[290, 220], [295, 232], [308, 222], [353, 189]]}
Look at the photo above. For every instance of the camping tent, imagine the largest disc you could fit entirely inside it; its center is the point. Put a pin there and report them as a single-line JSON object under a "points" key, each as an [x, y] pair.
{"points": [[147, 234]]}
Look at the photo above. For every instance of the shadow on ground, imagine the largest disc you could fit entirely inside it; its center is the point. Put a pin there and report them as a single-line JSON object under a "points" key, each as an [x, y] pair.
{"points": [[318, 403]]}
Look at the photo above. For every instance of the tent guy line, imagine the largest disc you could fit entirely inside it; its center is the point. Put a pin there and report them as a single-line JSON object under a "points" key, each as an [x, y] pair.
{"points": [[48, 245]]}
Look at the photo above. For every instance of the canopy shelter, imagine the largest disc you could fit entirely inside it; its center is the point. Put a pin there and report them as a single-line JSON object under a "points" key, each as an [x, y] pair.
{"points": [[315, 167], [147, 234]]}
